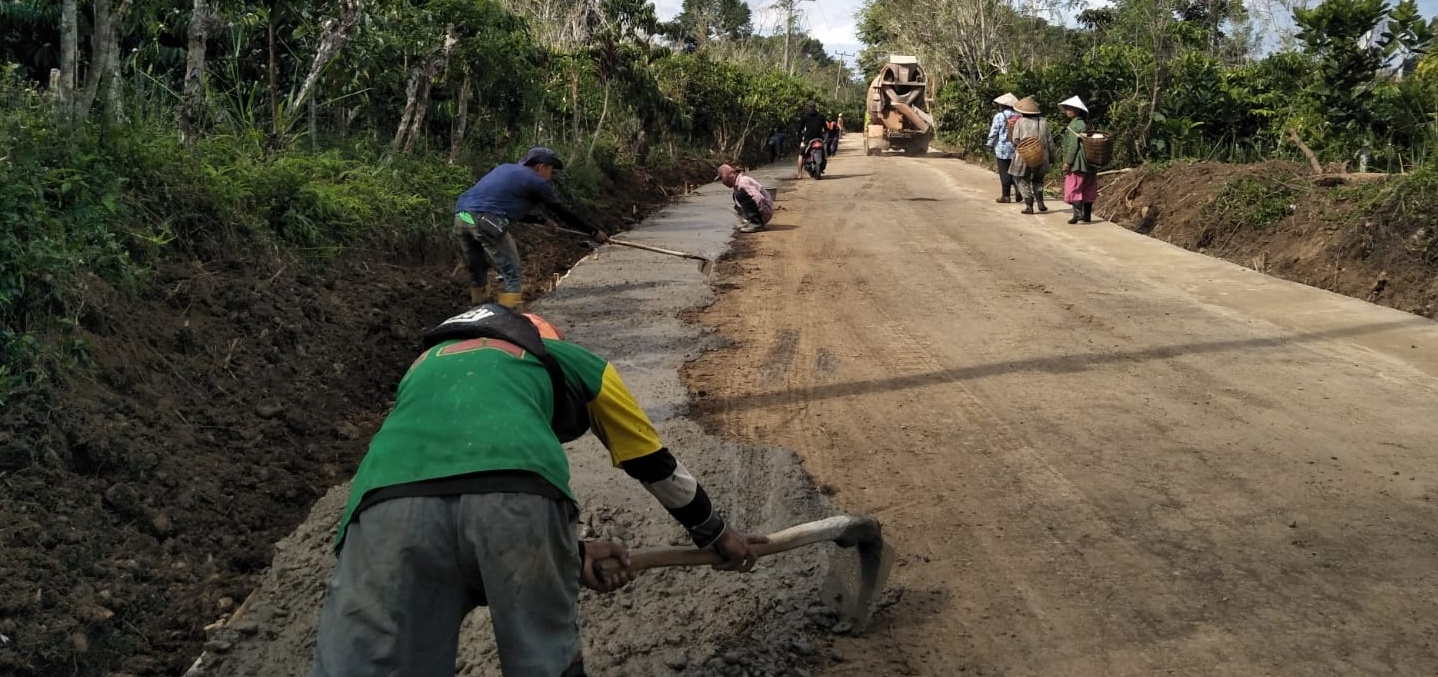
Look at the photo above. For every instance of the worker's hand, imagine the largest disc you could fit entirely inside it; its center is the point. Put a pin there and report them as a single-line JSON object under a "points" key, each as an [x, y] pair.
{"points": [[734, 546], [607, 580], [601, 237]]}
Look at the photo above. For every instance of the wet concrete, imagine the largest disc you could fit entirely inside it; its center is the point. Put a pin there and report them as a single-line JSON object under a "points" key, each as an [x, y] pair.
{"points": [[623, 304]]}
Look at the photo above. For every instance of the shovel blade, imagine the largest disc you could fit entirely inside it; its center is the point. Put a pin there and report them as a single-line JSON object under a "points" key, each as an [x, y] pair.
{"points": [[856, 577]]}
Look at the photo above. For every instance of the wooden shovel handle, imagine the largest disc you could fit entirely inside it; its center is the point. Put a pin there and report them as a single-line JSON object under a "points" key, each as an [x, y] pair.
{"points": [[636, 245], [671, 252], [821, 531]]}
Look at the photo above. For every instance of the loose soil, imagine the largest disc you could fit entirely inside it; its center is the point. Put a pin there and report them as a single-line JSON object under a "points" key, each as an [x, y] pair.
{"points": [[1327, 241], [141, 500]]}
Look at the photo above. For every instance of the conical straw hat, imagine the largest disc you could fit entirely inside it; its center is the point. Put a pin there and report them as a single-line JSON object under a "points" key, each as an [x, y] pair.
{"points": [[1074, 102], [1027, 106]]}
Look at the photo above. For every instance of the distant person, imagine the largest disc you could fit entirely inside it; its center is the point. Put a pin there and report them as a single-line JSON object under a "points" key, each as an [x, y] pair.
{"points": [[463, 500], [831, 137], [485, 213], [999, 143], [776, 144], [811, 127], [1031, 137], [751, 200], [1080, 179]]}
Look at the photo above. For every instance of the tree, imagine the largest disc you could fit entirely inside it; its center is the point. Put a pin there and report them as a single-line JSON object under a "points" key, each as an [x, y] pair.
{"points": [[967, 39], [1353, 40], [69, 58], [192, 96], [701, 21]]}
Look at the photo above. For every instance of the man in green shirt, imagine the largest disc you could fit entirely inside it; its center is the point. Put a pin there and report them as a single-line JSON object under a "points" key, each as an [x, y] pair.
{"points": [[463, 500]]}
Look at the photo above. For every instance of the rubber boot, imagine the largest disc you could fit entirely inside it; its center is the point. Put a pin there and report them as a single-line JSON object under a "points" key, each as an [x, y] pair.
{"points": [[1028, 206], [1088, 212], [476, 294], [1040, 201], [508, 299]]}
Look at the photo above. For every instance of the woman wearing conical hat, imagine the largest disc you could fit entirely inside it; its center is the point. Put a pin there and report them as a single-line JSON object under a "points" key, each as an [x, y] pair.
{"points": [[1030, 164], [998, 142], [1080, 178]]}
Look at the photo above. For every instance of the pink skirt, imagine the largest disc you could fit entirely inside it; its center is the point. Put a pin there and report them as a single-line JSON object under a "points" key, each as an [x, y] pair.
{"points": [[1080, 187]]}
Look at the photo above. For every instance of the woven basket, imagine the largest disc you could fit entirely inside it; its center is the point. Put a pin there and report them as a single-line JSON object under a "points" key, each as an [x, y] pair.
{"points": [[1097, 147], [1031, 150]]}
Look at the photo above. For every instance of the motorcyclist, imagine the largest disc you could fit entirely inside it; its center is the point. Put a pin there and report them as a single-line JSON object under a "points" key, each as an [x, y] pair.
{"points": [[811, 127]]}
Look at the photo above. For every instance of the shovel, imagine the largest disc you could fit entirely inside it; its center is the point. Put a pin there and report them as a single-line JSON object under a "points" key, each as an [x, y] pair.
{"points": [[857, 570], [706, 265]]}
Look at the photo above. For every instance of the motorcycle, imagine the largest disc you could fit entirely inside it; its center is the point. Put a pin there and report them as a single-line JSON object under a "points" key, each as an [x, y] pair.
{"points": [[814, 158]]}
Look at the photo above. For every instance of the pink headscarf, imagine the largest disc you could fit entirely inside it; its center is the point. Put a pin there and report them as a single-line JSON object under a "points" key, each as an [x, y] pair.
{"points": [[727, 175]]}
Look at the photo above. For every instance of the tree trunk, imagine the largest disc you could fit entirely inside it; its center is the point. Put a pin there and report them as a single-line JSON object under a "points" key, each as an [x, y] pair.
{"points": [[113, 112], [421, 80], [336, 34], [274, 68], [192, 100], [461, 121], [603, 113], [574, 98], [86, 98], [69, 41]]}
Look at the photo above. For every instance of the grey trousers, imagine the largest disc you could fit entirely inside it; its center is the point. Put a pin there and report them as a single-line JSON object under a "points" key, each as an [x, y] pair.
{"points": [[482, 251], [1030, 186], [412, 568]]}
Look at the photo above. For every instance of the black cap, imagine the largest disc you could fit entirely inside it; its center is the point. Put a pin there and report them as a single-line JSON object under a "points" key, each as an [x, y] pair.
{"points": [[539, 155]]}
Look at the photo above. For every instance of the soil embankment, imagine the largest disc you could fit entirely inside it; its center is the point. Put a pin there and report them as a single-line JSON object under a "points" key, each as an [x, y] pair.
{"points": [[142, 499], [1275, 218]]}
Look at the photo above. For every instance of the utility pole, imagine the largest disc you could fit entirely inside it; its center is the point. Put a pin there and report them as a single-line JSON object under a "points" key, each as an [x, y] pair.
{"points": [[839, 74]]}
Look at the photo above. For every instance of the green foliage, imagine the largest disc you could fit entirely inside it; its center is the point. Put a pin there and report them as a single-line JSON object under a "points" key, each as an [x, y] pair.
{"points": [[83, 201], [56, 199], [700, 21], [1254, 202], [1407, 204], [75, 204], [731, 105], [1166, 80]]}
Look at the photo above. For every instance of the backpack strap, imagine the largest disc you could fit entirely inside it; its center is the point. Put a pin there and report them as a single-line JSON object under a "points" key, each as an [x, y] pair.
{"points": [[491, 320]]}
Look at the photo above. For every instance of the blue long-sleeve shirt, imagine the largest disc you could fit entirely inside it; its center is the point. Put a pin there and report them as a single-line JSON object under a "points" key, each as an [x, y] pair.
{"points": [[999, 137], [513, 191], [510, 190]]}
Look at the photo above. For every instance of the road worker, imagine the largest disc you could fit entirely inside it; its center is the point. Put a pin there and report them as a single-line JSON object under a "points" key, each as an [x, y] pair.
{"points": [[486, 212], [751, 200], [463, 500]]}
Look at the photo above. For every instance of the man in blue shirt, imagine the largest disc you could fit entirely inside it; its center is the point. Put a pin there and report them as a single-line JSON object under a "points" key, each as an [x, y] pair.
{"points": [[484, 214]]}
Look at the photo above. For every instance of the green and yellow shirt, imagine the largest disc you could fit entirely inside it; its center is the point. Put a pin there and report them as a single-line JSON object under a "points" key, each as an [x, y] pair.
{"points": [[481, 408]]}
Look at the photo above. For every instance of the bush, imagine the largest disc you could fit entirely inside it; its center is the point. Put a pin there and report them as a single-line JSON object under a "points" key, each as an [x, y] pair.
{"points": [[1256, 202]]}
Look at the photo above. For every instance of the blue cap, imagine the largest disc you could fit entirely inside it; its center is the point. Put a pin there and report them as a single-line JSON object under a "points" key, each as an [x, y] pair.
{"points": [[541, 155]]}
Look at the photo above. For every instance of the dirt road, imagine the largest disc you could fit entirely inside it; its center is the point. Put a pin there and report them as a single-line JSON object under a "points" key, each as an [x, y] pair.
{"points": [[1096, 453]]}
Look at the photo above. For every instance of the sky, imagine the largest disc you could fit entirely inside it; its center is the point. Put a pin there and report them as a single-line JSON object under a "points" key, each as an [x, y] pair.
{"points": [[833, 23], [830, 21]]}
